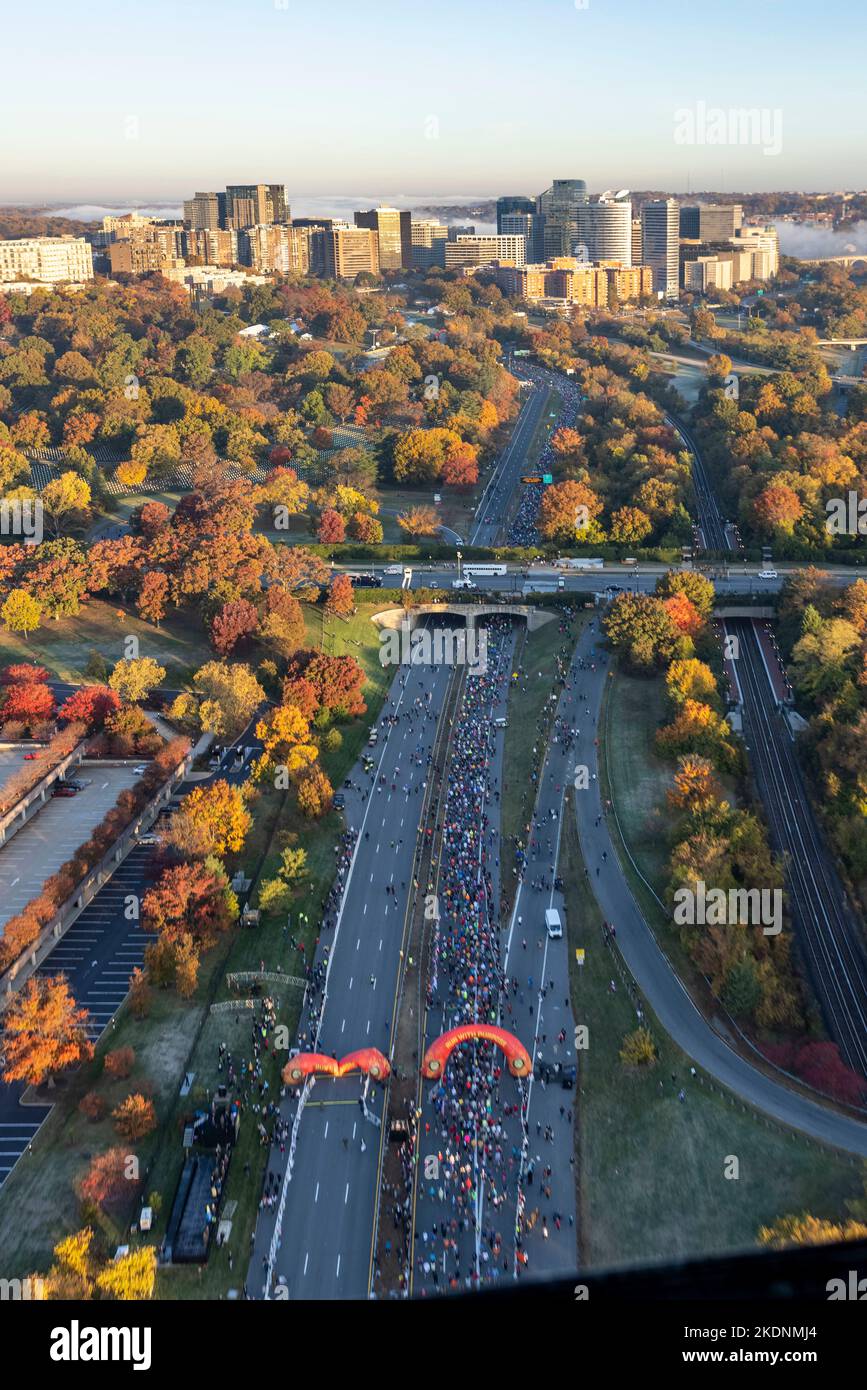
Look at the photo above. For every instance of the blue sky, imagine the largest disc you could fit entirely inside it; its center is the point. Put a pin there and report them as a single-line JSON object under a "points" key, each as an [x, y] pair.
{"points": [[126, 100]]}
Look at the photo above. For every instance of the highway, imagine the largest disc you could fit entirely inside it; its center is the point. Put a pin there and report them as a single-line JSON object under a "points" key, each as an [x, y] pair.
{"points": [[329, 1191], [493, 509]]}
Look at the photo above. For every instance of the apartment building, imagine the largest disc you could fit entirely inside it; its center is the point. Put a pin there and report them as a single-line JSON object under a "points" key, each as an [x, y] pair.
{"points": [[212, 246], [50, 260]]}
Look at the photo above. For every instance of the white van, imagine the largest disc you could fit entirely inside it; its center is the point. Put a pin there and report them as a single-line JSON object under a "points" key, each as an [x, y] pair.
{"points": [[553, 924], [500, 722]]}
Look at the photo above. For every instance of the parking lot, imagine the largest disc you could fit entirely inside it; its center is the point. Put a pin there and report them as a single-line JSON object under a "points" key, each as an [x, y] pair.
{"points": [[10, 761], [54, 834]]}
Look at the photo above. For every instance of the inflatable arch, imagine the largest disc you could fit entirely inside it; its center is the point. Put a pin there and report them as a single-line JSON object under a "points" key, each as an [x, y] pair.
{"points": [[368, 1060], [438, 1053]]}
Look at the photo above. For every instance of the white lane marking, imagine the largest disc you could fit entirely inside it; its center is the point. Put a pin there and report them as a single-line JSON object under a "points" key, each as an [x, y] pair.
{"points": [[316, 1193], [346, 1195], [306, 1258]]}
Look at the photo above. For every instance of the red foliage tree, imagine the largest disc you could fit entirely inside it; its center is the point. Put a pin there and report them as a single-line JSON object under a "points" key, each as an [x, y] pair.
{"points": [[236, 622], [24, 673], [27, 705], [91, 705], [337, 680], [341, 598], [332, 528]]}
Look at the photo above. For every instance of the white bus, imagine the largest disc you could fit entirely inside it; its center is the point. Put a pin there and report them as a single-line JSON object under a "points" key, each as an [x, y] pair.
{"points": [[483, 571]]}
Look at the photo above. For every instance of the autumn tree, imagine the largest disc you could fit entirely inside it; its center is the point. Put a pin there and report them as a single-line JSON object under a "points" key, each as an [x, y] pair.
{"points": [[130, 1277], [27, 704], [134, 1117], [286, 740], [331, 528], [419, 521], [340, 599], [92, 705], [236, 622], [21, 612], [111, 1178], [65, 499], [133, 679], [315, 794], [44, 1032], [228, 695], [789, 1231], [219, 811]]}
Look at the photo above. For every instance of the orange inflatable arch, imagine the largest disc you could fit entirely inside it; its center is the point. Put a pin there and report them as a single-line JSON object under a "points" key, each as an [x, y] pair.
{"points": [[438, 1053], [368, 1059]]}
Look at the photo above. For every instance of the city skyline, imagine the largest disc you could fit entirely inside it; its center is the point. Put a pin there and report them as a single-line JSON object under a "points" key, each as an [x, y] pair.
{"points": [[413, 107]]}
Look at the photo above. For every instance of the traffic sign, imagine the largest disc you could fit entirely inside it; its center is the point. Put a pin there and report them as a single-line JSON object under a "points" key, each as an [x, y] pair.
{"points": [[547, 478], [579, 954]]}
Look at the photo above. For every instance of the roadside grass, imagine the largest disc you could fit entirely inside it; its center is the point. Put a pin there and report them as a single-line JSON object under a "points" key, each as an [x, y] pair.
{"points": [[651, 1169], [64, 646], [524, 742], [639, 778]]}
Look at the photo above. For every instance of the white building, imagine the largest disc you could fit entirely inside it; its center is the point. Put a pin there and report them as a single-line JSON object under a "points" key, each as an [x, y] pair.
{"points": [[605, 230], [47, 259], [481, 250]]}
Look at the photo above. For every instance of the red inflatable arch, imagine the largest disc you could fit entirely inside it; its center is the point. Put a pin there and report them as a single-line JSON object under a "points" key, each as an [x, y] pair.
{"points": [[439, 1052], [368, 1059]]}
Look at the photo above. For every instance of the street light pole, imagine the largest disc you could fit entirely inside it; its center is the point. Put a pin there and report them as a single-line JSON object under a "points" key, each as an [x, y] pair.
{"points": [[460, 557]]}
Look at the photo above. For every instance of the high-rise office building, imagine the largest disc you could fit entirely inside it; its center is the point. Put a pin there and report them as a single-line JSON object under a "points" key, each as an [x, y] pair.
{"points": [[482, 250], [50, 259], [559, 206], [428, 243], [394, 229], [636, 241], [511, 204], [526, 224], [605, 230], [710, 221], [764, 243], [707, 273], [660, 230], [351, 250]]}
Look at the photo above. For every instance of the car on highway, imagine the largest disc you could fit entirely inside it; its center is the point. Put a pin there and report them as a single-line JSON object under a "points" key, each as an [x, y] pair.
{"points": [[60, 790], [768, 574], [149, 841], [140, 770], [28, 757], [338, 801], [393, 569], [464, 584]]}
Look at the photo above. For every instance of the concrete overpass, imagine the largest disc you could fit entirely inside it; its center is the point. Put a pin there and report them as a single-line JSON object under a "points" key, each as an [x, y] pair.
{"points": [[470, 613], [745, 610]]}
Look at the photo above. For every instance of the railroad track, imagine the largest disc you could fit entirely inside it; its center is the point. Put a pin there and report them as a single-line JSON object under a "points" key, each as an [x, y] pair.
{"points": [[827, 932]]}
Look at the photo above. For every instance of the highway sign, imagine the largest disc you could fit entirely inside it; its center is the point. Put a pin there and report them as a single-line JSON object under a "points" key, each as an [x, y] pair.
{"points": [[532, 478]]}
